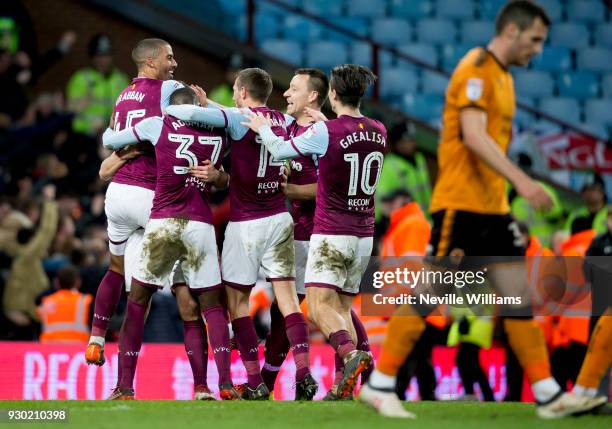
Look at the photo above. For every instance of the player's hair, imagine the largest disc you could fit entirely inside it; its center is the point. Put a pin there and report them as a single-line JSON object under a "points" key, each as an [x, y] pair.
{"points": [[184, 95], [257, 82], [67, 277], [351, 81], [147, 48], [317, 82], [522, 13]]}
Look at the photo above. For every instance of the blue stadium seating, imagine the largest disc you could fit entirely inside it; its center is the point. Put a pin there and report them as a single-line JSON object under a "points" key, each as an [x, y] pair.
{"points": [[599, 111], [391, 31], [395, 82], [301, 29], [425, 52], [579, 84], [234, 7], [323, 8], [543, 126], [366, 8], [433, 83], [595, 59], [354, 24], [436, 31], [477, 32], [606, 85], [533, 83], [554, 9], [411, 9], [586, 10], [326, 54], [566, 109], [553, 58], [598, 130], [489, 8], [455, 9], [570, 34], [452, 53], [266, 27], [427, 107], [286, 50], [272, 9], [361, 53], [603, 34], [522, 117]]}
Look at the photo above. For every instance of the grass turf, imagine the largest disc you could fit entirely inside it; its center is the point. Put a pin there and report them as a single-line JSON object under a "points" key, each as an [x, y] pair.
{"points": [[285, 414]]}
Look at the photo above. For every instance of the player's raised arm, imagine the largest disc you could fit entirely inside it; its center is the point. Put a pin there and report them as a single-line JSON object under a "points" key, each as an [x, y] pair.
{"points": [[147, 130], [312, 142]]}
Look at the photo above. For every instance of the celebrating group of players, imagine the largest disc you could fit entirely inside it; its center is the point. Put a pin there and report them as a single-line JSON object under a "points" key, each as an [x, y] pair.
{"points": [[168, 143]]}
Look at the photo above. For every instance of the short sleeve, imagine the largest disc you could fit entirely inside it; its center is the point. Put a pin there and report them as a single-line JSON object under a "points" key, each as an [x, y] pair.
{"points": [[472, 86]]}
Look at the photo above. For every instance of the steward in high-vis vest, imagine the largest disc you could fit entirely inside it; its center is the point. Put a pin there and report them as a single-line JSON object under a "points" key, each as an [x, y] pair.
{"points": [[595, 210], [65, 314], [92, 91], [404, 169]]}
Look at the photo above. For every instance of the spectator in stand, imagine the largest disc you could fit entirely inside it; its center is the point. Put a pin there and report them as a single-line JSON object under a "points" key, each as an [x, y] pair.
{"points": [[65, 314], [92, 91], [27, 278]]}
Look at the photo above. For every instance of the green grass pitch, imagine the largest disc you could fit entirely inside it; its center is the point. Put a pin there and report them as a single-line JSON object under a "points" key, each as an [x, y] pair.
{"points": [[291, 415]]}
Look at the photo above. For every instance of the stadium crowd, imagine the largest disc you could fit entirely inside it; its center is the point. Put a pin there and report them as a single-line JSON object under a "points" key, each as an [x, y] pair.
{"points": [[53, 226]]}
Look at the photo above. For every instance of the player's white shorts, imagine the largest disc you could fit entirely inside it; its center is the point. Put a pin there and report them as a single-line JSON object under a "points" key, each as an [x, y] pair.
{"points": [[127, 209], [133, 250], [192, 243], [265, 242], [301, 256], [337, 262]]}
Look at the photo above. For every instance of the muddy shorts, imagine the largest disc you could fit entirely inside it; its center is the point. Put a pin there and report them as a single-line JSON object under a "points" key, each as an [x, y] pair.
{"points": [[265, 243], [170, 243], [337, 262]]}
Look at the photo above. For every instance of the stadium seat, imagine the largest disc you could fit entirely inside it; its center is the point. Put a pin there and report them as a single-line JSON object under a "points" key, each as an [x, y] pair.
{"points": [[354, 24], [411, 9], [452, 53], [569, 34], [603, 34], [326, 54], [476, 32], [597, 130], [266, 27], [543, 126], [599, 111], [436, 31], [532, 83], [554, 9], [286, 50], [488, 8], [433, 83], [606, 85], [422, 51], [427, 107], [553, 58], [366, 8], [586, 10], [579, 84], [273, 9], [301, 29], [566, 109], [323, 8], [361, 53], [595, 59], [522, 117], [395, 83], [391, 31], [235, 7], [455, 9]]}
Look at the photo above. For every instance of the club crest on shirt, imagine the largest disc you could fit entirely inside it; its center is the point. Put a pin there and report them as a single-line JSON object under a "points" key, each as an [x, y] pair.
{"points": [[474, 87]]}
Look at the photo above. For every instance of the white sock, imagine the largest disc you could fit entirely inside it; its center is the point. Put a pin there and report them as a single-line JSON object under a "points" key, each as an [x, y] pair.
{"points": [[381, 381], [545, 389], [96, 340], [584, 391]]}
